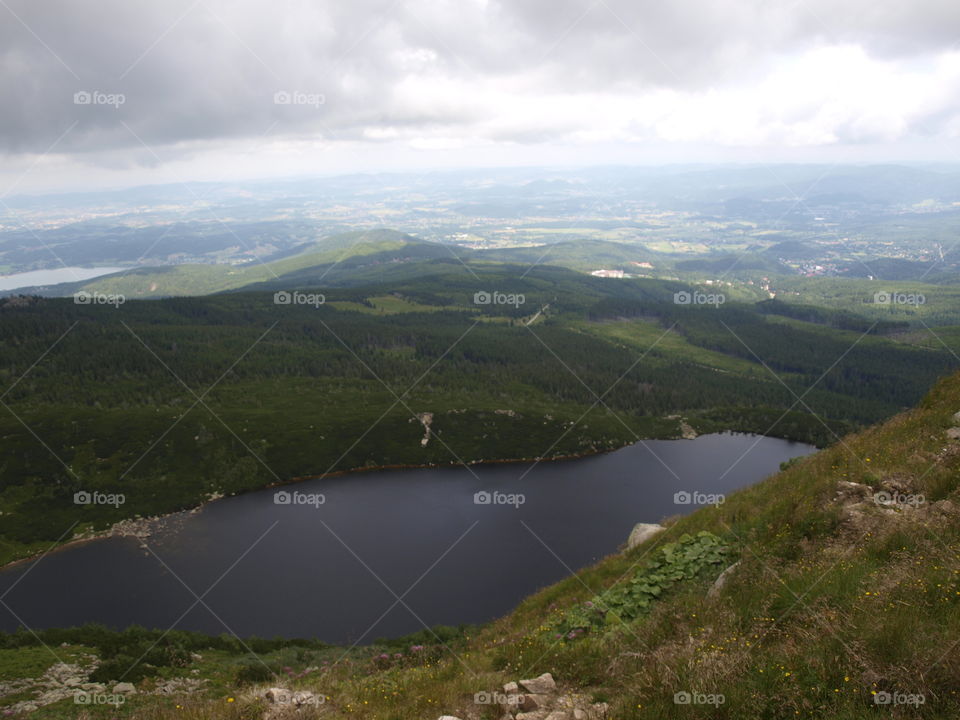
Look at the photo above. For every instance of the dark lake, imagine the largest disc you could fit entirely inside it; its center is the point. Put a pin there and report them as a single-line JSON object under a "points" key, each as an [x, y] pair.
{"points": [[335, 570]]}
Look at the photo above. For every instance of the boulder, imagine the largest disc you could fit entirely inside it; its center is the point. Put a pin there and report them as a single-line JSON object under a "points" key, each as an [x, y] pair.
{"points": [[558, 715], [642, 531], [532, 701], [579, 714], [511, 688], [539, 686], [124, 688], [847, 489]]}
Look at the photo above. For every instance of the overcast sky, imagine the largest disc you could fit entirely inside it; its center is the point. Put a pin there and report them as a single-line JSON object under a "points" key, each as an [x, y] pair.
{"points": [[109, 93]]}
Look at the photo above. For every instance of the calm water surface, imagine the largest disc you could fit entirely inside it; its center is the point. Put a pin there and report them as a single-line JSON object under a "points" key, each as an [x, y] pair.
{"points": [[53, 276], [387, 552]]}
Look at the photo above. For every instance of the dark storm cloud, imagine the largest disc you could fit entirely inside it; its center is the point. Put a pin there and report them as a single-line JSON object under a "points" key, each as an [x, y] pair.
{"points": [[205, 70]]}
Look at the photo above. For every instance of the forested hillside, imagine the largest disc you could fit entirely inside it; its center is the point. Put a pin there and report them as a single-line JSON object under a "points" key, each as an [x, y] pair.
{"points": [[173, 401]]}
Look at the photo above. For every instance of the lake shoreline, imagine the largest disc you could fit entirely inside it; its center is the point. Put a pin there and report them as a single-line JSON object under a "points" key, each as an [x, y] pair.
{"points": [[141, 528]]}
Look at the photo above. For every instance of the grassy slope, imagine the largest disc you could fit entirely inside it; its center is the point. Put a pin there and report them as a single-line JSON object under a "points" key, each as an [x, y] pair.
{"points": [[827, 607]]}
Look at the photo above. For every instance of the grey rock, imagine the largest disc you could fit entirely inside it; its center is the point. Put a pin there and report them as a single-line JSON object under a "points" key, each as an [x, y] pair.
{"points": [[124, 688], [539, 685], [532, 701], [641, 532]]}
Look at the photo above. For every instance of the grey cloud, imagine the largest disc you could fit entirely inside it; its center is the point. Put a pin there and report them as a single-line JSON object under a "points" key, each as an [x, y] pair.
{"points": [[208, 70]]}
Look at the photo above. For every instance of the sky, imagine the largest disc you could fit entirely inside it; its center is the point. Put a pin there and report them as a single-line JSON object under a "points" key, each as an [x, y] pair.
{"points": [[115, 93]]}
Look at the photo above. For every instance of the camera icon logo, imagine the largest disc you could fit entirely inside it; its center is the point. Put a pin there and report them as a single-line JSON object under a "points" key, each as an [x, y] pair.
{"points": [[682, 498], [281, 498], [881, 298], [82, 98], [282, 297], [82, 498], [482, 298], [482, 498], [682, 698], [882, 698], [282, 97], [682, 298], [82, 298]]}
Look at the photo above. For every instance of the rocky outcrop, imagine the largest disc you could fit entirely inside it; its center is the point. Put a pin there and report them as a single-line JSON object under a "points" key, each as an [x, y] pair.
{"points": [[60, 681], [426, 419], [686, 430], [538, 698]]}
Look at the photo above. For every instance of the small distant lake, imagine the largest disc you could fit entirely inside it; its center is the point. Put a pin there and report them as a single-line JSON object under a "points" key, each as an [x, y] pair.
{"points": [[333, 571], [53, 276]]}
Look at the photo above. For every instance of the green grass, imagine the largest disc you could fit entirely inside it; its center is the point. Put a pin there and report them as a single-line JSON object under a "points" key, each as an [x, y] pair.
{"points": [[643, 335]]}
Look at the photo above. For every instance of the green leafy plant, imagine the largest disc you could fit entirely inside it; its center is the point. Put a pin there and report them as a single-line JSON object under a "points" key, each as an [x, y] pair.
{"points": [[684, 559]]}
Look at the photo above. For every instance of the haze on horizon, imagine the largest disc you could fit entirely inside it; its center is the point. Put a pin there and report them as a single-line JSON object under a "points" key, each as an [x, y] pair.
{"points": [[156, 92]]}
